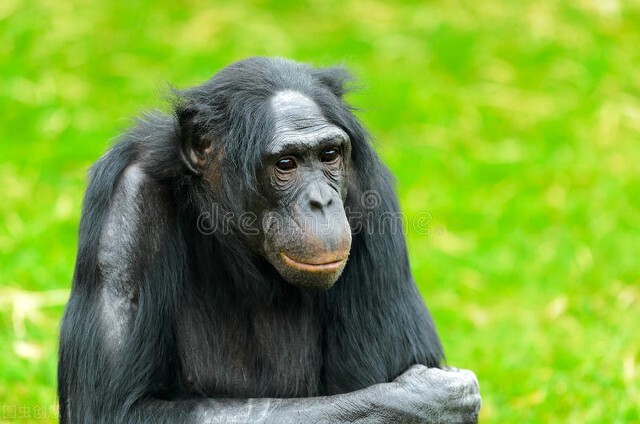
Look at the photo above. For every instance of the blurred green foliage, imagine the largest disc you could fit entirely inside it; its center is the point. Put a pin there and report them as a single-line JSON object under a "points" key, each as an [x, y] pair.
{"points": [[513, 127]]}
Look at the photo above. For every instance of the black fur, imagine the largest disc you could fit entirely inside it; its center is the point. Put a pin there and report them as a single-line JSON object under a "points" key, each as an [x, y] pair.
{"points": [[203, 316]]}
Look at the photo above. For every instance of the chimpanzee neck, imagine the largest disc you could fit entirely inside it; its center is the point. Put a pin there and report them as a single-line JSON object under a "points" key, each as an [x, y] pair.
{"points": [[237, 273]]}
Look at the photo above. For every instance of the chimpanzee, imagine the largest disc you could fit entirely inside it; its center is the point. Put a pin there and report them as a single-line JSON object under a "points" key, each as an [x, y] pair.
{"points": [[240, 260]]}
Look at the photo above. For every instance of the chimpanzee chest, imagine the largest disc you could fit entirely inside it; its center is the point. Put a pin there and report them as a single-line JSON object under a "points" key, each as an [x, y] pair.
{"points": [[266, 351]]}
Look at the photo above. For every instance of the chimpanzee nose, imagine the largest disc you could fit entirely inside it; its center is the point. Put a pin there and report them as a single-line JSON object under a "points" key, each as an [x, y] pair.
{"points": [[320, 196]]}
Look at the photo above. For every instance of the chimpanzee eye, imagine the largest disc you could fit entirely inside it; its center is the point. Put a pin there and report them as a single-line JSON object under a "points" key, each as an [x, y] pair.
{"points": [[330, 155], [286, 164]]}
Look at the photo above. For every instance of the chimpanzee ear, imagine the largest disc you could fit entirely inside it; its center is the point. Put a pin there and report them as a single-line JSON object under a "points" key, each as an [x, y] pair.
{"points": [[195, 144], [336, 79]]}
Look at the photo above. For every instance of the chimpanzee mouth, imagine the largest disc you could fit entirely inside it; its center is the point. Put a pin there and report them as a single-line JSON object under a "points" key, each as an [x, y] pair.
{"points": [[328, 266]]}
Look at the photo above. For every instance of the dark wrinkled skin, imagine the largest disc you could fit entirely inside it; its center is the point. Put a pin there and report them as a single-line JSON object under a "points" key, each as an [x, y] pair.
{"points": [[294, 317], [420, 395]]}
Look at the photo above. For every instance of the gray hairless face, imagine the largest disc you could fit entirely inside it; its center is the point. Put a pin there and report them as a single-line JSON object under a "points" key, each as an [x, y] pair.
{"points": [[305, 234]]}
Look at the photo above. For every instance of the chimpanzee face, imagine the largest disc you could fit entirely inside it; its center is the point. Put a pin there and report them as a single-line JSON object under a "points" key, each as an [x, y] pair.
{"points": [[305, 233]]}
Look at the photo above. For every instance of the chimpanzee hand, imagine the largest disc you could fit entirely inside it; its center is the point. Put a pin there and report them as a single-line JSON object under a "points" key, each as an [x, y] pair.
{"points": [[433, 395]]}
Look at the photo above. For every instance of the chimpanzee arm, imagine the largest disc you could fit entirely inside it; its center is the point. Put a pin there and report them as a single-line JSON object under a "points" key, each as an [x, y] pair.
{"points": [[117, 356], [420, 395]]}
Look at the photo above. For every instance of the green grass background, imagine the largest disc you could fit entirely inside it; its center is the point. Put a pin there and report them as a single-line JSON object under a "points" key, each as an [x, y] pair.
{"points": [[513, 127]]}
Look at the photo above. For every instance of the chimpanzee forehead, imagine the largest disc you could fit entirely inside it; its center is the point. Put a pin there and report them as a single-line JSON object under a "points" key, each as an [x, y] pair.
{"points": [[293, 102], [298, 119]]}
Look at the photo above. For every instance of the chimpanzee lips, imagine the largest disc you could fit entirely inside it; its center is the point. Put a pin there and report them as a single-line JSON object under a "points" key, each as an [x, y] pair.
{"points": [[323, 264]]}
